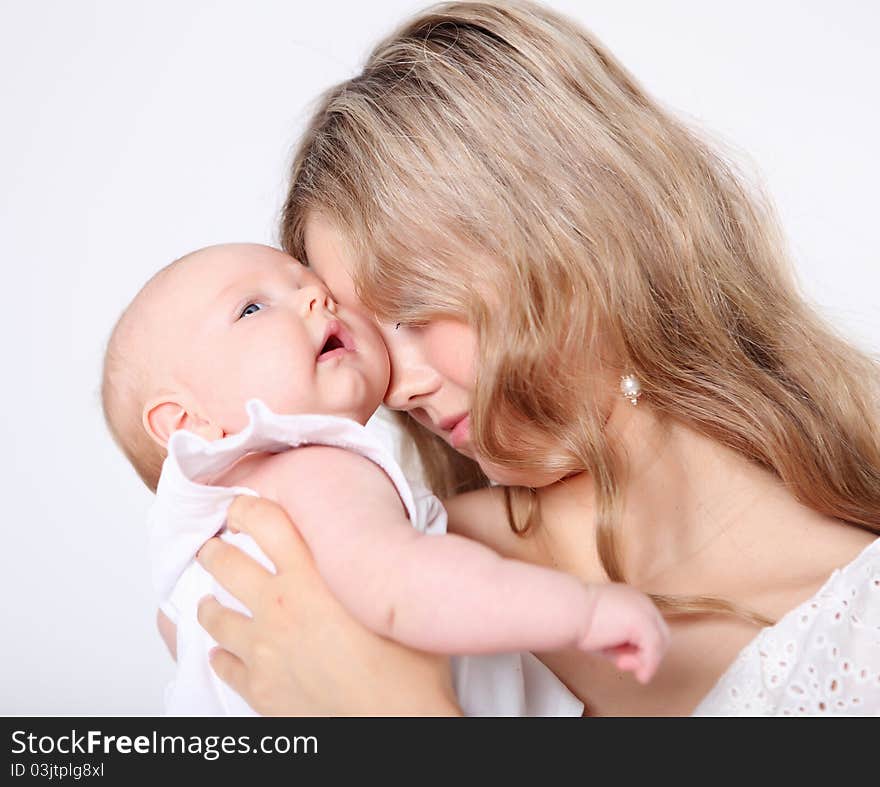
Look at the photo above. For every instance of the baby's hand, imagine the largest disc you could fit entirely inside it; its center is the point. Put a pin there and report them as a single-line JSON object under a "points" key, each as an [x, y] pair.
{"points": [[628, 629]]}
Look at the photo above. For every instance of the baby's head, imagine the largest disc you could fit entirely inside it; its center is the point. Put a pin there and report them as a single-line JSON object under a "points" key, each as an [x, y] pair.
{"points": [[226, 324]]}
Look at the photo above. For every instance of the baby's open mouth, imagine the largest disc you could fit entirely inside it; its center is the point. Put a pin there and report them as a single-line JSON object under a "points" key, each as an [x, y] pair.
{"points": [[337, 341], [333, 343]]}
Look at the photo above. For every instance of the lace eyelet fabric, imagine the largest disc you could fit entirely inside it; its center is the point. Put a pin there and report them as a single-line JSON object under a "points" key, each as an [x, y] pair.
{"points": [[821, 659]]}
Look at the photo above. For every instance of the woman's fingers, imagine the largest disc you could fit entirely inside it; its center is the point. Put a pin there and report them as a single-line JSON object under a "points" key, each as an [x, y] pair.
{"points": [[239, 573], [268, 524], [228, 627], [230, 669], [304, 654]]}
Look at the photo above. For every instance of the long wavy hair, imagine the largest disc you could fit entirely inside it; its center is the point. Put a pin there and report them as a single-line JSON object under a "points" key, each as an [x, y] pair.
{"points": [[496, 163]]}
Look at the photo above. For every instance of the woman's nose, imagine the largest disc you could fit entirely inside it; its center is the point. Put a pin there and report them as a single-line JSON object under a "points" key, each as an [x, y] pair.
{"points": [[313, 297], [413, 379], [408, 388]]}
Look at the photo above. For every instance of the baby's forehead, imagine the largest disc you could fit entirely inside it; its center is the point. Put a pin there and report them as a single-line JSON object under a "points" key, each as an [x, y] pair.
{"points": [[203, 276], [217, 267], [239, 259]]}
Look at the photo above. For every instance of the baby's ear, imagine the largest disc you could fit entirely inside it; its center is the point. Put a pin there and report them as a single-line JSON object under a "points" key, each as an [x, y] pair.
{"points": [[163, 417]]}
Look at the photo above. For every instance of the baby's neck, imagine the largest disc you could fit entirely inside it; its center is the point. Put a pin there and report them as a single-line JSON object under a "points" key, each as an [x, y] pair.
{"points": [[241, 473]]}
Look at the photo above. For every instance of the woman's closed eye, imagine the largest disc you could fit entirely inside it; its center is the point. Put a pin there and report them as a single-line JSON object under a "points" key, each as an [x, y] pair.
{"points": [[251, 308], [402, 322]]}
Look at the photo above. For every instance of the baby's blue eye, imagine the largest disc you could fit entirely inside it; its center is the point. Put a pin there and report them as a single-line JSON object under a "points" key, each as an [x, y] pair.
{"points": [[251, 308]]}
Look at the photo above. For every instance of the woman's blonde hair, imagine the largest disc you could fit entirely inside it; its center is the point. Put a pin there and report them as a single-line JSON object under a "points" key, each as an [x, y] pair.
{"points": [[495, 162]]}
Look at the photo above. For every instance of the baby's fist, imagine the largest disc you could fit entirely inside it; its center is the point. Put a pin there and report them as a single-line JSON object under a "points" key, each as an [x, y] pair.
{"points": [[627, 629]]}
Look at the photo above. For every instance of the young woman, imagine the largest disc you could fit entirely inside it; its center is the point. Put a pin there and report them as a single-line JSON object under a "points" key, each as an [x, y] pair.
{"points": [[586, 304]]}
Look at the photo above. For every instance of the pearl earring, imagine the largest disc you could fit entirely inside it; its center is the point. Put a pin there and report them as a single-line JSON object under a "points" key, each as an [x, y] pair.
{"points": [[631, 388]]}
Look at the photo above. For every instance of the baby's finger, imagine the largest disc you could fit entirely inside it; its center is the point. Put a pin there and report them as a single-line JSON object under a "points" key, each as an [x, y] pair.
{"points": [[268, 524], [653, 648], [227, 627], [646, 671], [619, 650], [628, 662]]}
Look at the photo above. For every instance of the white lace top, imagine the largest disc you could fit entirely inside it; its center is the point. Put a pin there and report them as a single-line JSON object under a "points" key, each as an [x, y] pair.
{"points": [[822, 658]]}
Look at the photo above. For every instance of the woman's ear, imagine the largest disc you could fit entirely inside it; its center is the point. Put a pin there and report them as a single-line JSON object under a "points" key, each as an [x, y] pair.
{"points": [[163, 416]]}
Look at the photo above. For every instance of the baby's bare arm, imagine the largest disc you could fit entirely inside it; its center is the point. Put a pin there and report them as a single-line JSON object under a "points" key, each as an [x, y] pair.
{"points": [[471, 600], [445, 594], [350, 515], [468, 599]]}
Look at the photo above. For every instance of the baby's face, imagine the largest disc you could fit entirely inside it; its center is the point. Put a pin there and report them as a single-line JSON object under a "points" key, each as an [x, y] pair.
{"points": [[252, 322]]}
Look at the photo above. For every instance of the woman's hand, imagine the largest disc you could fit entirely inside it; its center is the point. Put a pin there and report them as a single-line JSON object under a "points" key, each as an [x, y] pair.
{"points": [[302, 654]]}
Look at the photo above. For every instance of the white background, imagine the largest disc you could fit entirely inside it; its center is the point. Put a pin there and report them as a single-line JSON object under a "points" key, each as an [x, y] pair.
{"points": [[132, 132]]}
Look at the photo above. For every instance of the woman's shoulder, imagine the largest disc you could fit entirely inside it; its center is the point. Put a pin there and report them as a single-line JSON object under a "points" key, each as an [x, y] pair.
{"points": [[476, 514], [823, 657], [482, 515]]}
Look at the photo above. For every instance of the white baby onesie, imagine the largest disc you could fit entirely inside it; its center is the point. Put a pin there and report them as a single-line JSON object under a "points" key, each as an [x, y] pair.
{"points": [[185, 514]]}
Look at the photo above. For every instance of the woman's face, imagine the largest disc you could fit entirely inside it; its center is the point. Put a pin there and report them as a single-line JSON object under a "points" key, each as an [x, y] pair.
{"points": [[433, 367]]}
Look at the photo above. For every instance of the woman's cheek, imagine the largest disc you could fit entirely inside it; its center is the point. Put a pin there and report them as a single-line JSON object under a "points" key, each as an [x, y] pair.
{"points": [[452, 349]]}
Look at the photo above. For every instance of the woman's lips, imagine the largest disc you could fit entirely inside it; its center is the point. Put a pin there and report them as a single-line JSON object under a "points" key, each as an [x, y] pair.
{"points": [[461, 432]]}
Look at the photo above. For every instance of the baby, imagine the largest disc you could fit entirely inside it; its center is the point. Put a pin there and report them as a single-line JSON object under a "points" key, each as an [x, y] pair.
{"points": [[234, 371]]}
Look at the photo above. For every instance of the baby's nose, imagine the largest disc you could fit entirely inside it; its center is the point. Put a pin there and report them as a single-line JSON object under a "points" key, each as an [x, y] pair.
{"points": [[314, 298]]}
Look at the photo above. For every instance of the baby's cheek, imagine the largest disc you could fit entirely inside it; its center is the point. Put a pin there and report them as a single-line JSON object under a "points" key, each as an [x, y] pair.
{"points": [[282, 384], [206, 376], [235, 380]]}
